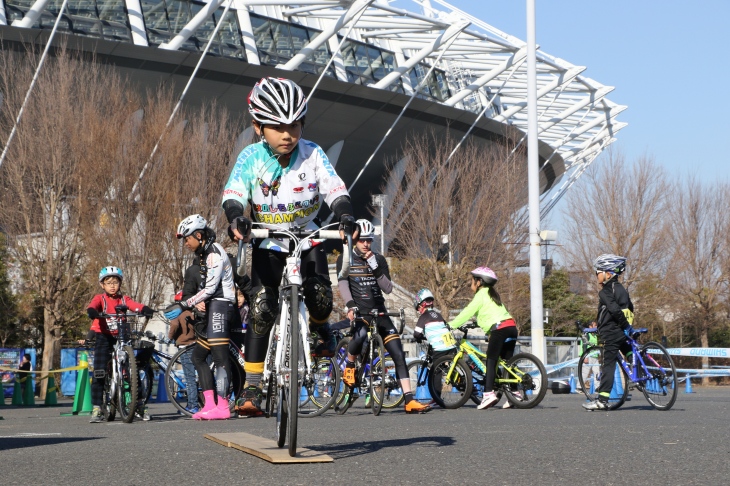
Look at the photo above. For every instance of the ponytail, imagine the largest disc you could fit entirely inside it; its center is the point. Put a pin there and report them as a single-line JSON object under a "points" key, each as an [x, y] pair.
{"points": [[495, 296]]}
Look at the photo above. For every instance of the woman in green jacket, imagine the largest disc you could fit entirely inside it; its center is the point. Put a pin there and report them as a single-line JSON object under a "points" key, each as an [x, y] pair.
{"points": [[493, 318]]}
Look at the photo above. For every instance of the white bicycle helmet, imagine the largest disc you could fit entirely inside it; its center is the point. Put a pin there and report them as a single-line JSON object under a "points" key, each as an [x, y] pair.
{"points": [[111, 272], [486, 274], [277, 101], [190, 225], [366, 229], [610, 263], [421, 296]]}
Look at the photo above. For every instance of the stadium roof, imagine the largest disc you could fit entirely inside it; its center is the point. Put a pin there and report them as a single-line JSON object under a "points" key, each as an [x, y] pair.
{"points": [[471, 65]]}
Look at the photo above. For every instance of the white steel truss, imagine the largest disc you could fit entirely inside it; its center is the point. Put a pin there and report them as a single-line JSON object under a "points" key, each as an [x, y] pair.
{"points": [[575, 117]]}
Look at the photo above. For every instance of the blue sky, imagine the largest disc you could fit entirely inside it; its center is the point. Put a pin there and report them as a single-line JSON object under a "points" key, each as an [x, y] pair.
{"points": [[668, 61]]}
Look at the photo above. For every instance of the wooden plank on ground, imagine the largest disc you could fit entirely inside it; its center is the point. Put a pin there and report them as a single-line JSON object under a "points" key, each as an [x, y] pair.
{"points": [[267, 449]]}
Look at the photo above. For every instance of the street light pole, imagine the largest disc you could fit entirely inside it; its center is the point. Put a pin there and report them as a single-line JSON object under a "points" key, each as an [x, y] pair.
{"points": [[533, 184], [379, 201]]}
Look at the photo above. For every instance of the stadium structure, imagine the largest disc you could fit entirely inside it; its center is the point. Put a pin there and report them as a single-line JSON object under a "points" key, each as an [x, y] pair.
{"points": [[371, 56]]}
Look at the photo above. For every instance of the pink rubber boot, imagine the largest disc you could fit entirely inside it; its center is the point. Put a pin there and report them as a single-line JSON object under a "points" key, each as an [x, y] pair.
{"points": [[221, 412], [209, 405]]}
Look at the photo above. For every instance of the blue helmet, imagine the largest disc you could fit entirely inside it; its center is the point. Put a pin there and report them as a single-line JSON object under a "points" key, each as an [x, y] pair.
{"points": [[111, 272], [610, 263]]}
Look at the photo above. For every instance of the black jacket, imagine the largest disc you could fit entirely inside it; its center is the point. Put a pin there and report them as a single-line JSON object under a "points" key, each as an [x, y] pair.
{"points": [[612, 300]]}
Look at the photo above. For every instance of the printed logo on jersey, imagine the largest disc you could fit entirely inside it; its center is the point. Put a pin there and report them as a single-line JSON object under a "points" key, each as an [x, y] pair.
{"points": [[291, 207], [302, 176], [338, 189], [298, 190], [274, 187], [312, 186]]}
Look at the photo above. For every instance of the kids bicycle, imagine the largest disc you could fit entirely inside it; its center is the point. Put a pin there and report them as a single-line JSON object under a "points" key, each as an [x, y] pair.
{"points": [[649, 369], [454, 379]]}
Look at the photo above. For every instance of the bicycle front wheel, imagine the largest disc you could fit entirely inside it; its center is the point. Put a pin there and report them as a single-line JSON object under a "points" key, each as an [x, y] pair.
{"points": [[589, 375], [418, 373], [293, 385], [127, 381], [376, 378], [660, 387], [321, 387], [108, 403], [532, 380], [344, 392], [180, 381], [450, 388]]}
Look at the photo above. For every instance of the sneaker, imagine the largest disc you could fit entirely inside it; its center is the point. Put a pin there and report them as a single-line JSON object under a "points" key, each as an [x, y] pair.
{"points": [[348, 377], [414, 406], [191, 410], [95, 415], [251, 406], [595, 405], [508, 404], [488, 400]]}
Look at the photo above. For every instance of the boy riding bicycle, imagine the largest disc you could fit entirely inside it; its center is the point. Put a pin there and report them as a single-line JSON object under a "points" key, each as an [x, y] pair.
{"points": [[283, 180], [362, 291], [106, 331], [493, 318], [615, 316]]}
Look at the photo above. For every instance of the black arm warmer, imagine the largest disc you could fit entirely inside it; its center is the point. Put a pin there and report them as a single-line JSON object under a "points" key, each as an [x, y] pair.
{"points": [[340, 206], [234, 209]]}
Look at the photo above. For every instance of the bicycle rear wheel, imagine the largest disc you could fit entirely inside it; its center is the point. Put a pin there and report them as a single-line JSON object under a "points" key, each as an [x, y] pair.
{"points": [[282, 415], [321, 386], [418, 373], [589, 376], [176, 382], [450, 390], [376, 378], [532, 385], [660, 388], [127, 381], [393, 393], [108, 402]]}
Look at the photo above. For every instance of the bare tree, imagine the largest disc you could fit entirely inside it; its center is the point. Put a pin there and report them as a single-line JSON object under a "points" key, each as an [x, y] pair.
{"points": [[479, 190], [620, 208], [700, 222], [48, 177]]}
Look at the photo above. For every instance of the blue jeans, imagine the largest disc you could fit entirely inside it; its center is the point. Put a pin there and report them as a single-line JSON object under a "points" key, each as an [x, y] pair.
{"points": [[190, 383]]}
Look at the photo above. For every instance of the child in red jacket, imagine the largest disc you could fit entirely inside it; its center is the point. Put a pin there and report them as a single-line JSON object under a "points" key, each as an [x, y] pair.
{"points": [[106, 331]]}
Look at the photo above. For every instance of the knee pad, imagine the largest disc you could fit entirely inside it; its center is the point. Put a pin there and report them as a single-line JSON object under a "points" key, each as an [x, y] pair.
{"points": [[318, 298], [264, 309]]}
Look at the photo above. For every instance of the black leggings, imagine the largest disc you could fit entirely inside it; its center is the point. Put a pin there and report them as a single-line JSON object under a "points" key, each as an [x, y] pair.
{"points": [[267, 268], [220, 314], [499, 347], [391, 340], [614, 340]]}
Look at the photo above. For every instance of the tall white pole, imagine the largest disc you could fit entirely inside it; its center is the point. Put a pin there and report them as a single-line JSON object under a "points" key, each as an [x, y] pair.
{"points": [[533, 178]]}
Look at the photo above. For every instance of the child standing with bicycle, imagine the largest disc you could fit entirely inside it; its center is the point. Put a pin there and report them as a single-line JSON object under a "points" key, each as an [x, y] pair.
{"points": [[615, 316], [431, 326], [106, 331], [217, 298], [497, 323]]}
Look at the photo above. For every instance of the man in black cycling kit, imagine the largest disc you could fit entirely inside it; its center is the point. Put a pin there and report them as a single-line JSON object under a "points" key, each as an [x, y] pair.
{"points": [[362, 292]]}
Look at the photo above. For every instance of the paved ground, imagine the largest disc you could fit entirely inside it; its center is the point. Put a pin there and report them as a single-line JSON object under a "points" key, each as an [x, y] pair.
{"points": [[555, 443]]}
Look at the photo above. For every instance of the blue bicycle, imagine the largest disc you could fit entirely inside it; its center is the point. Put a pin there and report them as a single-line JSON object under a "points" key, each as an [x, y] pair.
{"points": [[375, 374], [650, 370]]}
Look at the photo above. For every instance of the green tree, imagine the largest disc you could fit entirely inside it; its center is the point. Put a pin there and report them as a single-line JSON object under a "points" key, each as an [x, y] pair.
{"points": [[567, 307]]}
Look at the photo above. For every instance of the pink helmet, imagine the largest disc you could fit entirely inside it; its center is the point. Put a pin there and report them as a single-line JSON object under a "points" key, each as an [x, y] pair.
{"points": [[486, 274]]}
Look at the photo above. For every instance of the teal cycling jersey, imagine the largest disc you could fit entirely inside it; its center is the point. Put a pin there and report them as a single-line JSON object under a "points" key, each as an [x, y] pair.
{"points": [[284, 197]]}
